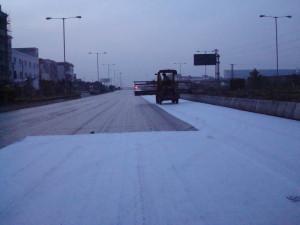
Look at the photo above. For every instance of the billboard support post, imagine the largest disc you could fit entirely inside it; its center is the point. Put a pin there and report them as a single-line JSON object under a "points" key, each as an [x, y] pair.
{"points": [[212, 59], [217, 71]]}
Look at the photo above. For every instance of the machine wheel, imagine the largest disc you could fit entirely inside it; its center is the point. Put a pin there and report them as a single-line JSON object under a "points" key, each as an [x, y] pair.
{"points": [[158, 100]]}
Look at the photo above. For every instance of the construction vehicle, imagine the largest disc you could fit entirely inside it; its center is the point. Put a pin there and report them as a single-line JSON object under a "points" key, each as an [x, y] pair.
{"points": [[164, 88]]}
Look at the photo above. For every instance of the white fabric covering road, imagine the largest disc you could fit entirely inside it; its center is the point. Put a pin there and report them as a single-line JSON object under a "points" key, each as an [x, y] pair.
{"points": [[239, 168]]}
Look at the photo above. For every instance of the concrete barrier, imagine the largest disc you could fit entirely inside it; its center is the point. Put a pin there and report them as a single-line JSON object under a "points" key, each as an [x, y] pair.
{"points": [[289, 110], [297, 112]]}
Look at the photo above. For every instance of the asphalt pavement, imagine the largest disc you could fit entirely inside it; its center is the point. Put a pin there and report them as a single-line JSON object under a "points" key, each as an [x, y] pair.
{"points": [[116, 112]]}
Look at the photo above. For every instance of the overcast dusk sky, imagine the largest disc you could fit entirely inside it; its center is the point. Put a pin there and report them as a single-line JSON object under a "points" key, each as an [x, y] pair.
{"points": [[143, 36]]}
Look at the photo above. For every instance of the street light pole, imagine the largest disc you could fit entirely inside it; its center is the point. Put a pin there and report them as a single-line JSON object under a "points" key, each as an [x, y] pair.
{"points": [[64, 39], [98, 66], [276, 33], [108, 70], [64, 33], [114, 80], [64, 42], [180, 65], [120, 80], [98, 56]]}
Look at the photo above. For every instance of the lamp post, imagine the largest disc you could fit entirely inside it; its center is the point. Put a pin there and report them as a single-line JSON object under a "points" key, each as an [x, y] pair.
{"points": [[108, 70], [64, 41], [276, 32], [120, 80], [114, 79], [180, 65], [64, 33], [97, 54]]}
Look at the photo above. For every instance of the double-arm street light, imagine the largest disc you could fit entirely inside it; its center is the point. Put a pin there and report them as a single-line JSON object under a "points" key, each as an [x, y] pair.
{"points": [[108, 70], [97, 54], [276, 31], [64, 33], [64, 39], [180, 65]]}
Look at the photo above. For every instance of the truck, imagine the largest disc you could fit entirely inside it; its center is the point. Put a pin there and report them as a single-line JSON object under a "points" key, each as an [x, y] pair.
{"points": [[165, 87]]}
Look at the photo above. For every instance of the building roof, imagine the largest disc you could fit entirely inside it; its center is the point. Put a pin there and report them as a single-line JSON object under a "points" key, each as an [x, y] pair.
{"points": [[33, 51], [67, 63]]}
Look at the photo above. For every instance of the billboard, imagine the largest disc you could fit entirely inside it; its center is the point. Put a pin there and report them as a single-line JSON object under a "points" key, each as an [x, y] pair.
{"points": [[205, 59]]}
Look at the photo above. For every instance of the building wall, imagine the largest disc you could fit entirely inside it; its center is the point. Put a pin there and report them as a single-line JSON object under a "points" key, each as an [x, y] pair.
{"points": [[5, 47], [48, 70], [25, 66], [66, 73]]}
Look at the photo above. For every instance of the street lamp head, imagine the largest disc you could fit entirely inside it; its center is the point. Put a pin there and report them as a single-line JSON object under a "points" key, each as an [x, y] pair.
{"points": [[262, 16], [289, 17], [48, 18], [79, 17], [104, 53]]}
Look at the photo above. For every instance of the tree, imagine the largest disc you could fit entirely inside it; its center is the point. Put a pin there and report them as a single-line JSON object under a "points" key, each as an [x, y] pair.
{"points": [[254, 79]]}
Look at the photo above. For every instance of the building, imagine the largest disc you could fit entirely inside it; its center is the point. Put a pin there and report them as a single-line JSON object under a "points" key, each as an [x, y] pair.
{"points": [[264, 72], [56, 71], [48, 70], [25, 65], [65, 71], [5, 47]]}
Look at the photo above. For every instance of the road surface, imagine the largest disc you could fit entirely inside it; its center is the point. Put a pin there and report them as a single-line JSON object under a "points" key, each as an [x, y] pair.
{"points": [[120, 111], [237, 168]]}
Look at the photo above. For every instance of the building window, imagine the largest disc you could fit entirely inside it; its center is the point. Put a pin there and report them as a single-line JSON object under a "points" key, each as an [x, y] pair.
{"points": [[20, 61], [29, 64], [15, 75], [21, 75]]}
